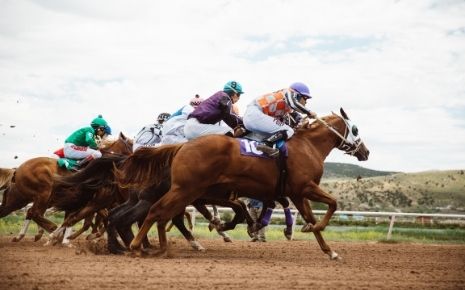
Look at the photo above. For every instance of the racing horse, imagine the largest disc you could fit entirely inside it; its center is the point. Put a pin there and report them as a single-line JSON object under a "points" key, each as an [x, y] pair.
{"points": [[33, 181], [205, 164], [93, 189]]}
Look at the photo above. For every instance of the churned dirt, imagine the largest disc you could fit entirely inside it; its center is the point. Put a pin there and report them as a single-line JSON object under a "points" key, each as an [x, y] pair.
{"points": [[237, 265]]}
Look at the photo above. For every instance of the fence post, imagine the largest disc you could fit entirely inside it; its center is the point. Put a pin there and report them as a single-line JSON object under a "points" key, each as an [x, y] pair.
{"points": [[193, 218], [391, 225]]}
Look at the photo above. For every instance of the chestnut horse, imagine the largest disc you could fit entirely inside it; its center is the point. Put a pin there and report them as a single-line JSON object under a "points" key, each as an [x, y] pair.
{"points": [[33, 181], [93, 189], [203, 165]]}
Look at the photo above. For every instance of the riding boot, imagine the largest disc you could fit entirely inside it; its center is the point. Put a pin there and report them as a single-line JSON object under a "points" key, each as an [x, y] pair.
{"points": [[268, 146], [82, 163]]}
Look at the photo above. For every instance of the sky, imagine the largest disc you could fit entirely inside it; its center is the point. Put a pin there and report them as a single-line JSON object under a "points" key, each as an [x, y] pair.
{"points": [[396, 67]]}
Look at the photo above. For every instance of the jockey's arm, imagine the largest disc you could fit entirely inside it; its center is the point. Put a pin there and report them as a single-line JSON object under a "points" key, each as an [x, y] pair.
{"points": [[90, 140]]}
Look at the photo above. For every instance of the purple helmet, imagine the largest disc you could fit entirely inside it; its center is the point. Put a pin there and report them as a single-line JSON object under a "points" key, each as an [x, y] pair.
{"points": [[302, 89]]}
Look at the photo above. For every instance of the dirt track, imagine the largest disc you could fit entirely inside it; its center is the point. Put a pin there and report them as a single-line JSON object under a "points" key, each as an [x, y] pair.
{"points": [[240, 265]]}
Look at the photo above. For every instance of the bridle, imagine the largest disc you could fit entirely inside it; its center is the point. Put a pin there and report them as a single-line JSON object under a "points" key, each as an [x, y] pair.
{"points": [[347, 146]]}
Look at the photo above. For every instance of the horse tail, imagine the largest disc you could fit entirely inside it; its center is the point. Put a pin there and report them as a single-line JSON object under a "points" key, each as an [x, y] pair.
{"points": [[72, 192], [6, 177], [146, 167]]}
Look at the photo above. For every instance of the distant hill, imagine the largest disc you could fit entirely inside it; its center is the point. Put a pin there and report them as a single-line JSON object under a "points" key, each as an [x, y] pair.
{"points": [[429, 191], [345, 170]]}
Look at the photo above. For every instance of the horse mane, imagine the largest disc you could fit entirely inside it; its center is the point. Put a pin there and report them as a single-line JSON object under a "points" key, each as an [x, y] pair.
{"points": [[146, 167], [108, 142], [74, 191]]}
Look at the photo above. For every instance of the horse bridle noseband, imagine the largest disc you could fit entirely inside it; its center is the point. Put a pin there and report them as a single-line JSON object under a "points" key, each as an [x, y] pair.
{"points": [[346, 146]]}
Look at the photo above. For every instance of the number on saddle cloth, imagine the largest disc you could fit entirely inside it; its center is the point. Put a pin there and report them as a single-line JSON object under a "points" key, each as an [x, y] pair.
{"points": [[248, 147]]}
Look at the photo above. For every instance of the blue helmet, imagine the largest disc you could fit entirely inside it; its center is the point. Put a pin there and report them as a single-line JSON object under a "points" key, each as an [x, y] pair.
{"points": [[107, 130], [234, 87], [301, 89]]}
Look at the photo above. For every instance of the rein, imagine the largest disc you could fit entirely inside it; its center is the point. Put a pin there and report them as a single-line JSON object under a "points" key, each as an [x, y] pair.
{"points": [[348, 147]]}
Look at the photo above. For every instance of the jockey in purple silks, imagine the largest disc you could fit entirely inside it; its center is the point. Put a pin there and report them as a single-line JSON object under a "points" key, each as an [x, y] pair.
{"points": [[205, 118]]}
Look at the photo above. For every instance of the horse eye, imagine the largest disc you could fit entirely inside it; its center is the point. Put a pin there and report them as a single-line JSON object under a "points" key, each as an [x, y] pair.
{"points": [[354, 130]]}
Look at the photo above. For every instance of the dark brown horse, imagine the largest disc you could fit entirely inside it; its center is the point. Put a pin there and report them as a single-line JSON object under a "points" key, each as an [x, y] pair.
{"points": [[33, 181], [206, 164]]}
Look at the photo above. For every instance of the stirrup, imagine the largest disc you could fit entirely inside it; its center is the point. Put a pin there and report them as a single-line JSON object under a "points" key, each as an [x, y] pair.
{"points": [[270, 151]]}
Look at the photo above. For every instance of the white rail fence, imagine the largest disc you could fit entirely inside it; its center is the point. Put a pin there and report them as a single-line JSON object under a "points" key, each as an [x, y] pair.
{"points": [[357, 214], [391, 215]]}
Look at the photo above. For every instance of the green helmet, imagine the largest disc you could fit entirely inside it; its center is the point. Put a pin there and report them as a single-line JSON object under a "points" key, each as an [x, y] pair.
{"points": [[233, 86], [99, 122]]}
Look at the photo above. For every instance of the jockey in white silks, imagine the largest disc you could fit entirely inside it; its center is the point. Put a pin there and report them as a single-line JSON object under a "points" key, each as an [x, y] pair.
{"points": [[173, 129]]}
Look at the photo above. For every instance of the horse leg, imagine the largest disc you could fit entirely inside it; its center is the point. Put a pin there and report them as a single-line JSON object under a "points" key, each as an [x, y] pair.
{"points": [[39, 234], [101, 223], [178, 221], [87, 224], [303, 206], [200, 206], [221, 232], [36, 213], [315, 193], [145, 242], [288, 232], [174, 201], [87, 211], [23, 231], [189, 219], [113, 246]]}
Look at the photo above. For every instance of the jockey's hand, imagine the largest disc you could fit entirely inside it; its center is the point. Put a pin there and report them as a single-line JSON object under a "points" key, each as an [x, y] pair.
{"points": [[312, 115], [239, 131]]}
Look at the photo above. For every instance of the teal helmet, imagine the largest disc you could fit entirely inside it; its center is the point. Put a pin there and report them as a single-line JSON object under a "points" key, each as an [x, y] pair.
{"points": [[233, 86], [98, 122]]}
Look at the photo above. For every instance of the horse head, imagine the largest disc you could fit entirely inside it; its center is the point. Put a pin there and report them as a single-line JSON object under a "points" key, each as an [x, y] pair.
{"points": [[121, 146], [351, 142], [345, 133]]}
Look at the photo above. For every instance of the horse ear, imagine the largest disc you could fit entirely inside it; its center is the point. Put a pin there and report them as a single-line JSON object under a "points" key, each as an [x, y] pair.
{"points": [[344, 114], [122, 136]]}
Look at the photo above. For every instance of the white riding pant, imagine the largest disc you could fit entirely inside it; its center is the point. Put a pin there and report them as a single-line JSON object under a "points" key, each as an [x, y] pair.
{"points": [[256, 121], [80, 152], [194, 129]]}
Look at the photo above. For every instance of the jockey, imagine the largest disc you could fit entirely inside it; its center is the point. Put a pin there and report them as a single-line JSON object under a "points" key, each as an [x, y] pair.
{"points": [[266, 114], [82, 143], [203, 120], [150, 135], [173, 129]]}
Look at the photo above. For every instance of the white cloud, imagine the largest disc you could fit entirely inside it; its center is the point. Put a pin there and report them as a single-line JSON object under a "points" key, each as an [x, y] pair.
{"points": [[397, 67]]}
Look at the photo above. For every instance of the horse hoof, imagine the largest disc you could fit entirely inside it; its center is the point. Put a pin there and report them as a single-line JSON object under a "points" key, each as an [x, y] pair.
{"points": [[227, 240], [307, 228], [197, 246], [91, 237], [68, 245], [288, 233], [16, 239], [37, 238], [335, 256]]}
